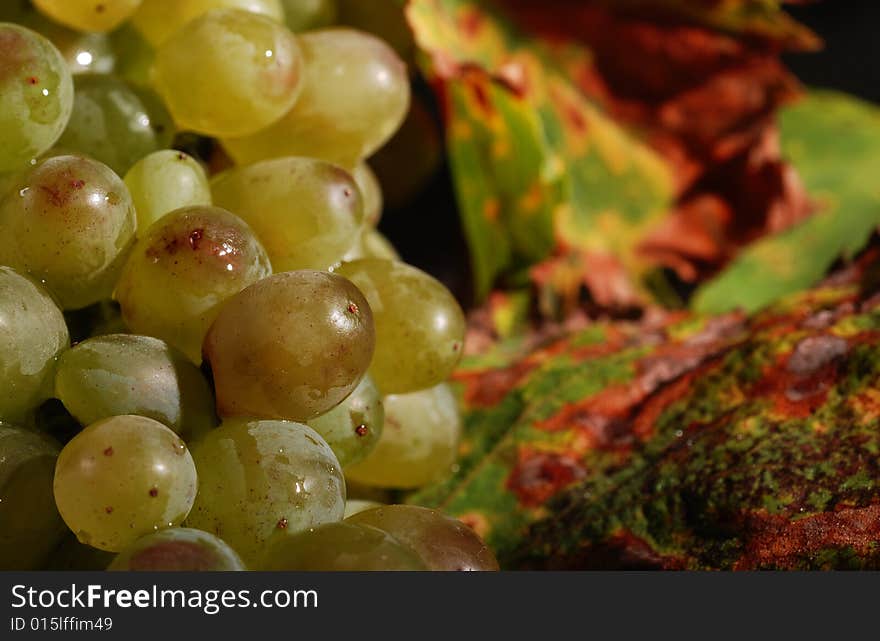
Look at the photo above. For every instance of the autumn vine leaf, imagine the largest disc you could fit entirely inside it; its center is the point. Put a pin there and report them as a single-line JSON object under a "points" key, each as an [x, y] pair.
{"points": [[688, 442], [539, 170]]}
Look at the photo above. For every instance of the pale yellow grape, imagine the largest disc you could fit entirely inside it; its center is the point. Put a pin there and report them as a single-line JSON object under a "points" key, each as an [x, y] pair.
{"points": [[164, 181], [122, 478], [419, 442], [69, 221], [89, 15], [419, 325], [257, 477], [229, 73], [36, 96], [355, 95], [291, 346], [157, 20], [306, 212], [182, 271], [32, 336], [371, 192]]}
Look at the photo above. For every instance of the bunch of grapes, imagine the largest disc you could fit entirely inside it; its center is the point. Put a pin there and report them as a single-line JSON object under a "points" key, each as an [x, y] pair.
{"points": [[245, 343]]}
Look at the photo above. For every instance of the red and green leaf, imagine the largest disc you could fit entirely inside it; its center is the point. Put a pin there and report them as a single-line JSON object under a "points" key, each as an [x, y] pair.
{"points": [[689, 442], [539, 169]]}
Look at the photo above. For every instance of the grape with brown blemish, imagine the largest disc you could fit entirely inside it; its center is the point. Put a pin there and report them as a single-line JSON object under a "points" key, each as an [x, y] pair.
{"points": [[177, 549], [354, 427], [419, 441], [260, 477], [419, 325], [288, 347], [69, 222], [147, 483], [181, 272], [36, 96]]}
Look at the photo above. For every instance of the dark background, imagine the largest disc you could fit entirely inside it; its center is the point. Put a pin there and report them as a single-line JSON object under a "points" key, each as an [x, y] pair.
{"points": [[851, 58]]}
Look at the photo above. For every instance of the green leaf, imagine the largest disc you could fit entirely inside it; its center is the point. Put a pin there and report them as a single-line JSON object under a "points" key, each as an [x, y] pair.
{"points": [[834, 142], [698, 442]]}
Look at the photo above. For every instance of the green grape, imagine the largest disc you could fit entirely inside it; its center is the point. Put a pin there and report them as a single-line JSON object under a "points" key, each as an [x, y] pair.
{"points": [[306, 15], [164, 181], [411, 158], [419, 441], [385, 19], [30, 526], [183, 269], [36, 96], [356, 506], [84, 52], [157, 20], [419, 325], [123, 374], [70, 222], [370, 244], [177, 550], [443, 543], [339, 547], [229, 73], [307, 212], [32, 336], [115, 123], [73, 556], [290, 347], [134, 56], [256, 477], [353, 427], [371, 193], [355, 95], [122, 478], [89, 15]]}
